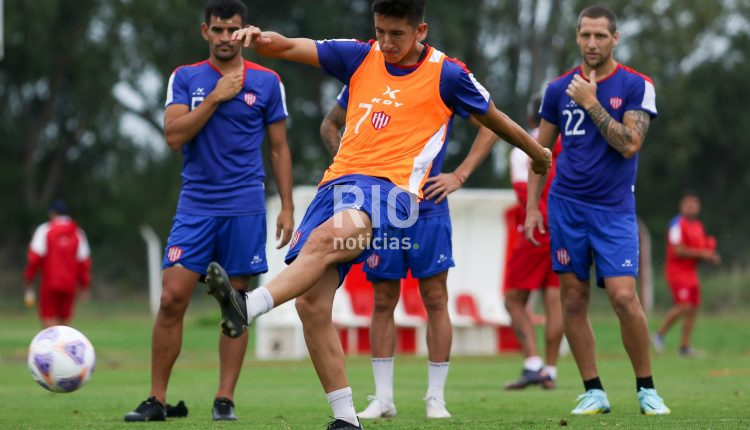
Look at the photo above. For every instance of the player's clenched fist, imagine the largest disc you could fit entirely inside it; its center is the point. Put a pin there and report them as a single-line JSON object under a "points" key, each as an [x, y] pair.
{"points": [[228, 86], [250, 36], [541, 166]]}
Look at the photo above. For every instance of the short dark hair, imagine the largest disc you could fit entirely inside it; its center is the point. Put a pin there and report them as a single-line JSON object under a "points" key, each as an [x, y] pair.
{"points": [[597, 11], [412, 10], [59, 206], [689, 193], [225, 9]]}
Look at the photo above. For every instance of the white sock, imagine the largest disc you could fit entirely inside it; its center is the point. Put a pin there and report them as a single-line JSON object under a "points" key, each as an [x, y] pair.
{"points": [[342, 405], [551, 371], [533, 363], [382, 371], [259, 301], [437, 373]]}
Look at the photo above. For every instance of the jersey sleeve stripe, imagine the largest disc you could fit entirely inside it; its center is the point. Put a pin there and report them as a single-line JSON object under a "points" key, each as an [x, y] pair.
{"points": [[170, 90], [649, 97], [283, 98], [483, 91]]}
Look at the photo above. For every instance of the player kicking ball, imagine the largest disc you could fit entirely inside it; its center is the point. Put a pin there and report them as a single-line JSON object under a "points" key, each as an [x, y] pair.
{"points": [[394, 130]]}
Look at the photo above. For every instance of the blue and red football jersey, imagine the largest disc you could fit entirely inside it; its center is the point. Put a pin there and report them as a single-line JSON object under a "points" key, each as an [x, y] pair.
{"points": [[222, 169], [589, 171]]}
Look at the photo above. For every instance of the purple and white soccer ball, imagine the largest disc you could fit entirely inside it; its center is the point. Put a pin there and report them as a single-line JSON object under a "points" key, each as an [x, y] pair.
{"points": [[61, 359]]}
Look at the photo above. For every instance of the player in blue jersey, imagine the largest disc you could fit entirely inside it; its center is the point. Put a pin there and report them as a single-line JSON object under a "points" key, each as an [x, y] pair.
{"points": [[603, 111], [429, 263], [388, 146], [217, 114]]}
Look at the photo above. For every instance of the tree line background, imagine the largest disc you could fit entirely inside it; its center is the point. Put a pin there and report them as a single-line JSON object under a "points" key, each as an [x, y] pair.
{"points": [[82, 87]]}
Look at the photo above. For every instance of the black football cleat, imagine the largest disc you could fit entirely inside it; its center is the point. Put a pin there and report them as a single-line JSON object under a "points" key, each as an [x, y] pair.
{"points": [[528, 377], [223, 410], [149, 410], [231, 301], [342, 425], [180, 410]]}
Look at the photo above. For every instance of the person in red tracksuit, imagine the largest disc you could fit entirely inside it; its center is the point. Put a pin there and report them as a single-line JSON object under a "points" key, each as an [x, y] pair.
{"points": [[59, 250], [687, 245], [529, 268]]}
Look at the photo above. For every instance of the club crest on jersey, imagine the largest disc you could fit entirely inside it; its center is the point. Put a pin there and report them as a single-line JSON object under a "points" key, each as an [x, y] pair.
{"points": [[249, 98], [380, 120], [174, 253], [373, 261], [295, 238], [562, 256], [615, 102]]}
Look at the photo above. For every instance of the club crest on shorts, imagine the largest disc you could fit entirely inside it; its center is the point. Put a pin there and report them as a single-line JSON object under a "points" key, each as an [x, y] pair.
{"points": [[174, 253], [249, 98], [380, 120], [562, 256], [295, 238], [615, 102], [373, 261]]}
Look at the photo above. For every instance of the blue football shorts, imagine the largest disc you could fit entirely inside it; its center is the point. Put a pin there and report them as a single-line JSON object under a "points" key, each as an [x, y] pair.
{"points": [[238, 243], [425, 248], [360, 192], [581, 235]]}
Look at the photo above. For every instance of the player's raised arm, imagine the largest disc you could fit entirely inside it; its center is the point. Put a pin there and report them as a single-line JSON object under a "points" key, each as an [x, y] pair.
{"points": [[508, 130], [274, 45], [330, 128], [625, 137]]}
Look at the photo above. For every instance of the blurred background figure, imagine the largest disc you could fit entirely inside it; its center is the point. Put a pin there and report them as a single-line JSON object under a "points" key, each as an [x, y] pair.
{"points": [[530, 269], [59, 250], [687, 245]]}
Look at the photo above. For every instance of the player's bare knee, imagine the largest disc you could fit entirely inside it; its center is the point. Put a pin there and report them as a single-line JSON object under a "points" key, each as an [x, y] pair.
{"points": [[320, 244], [172, 305], [514, 301], [625, 302], [313, 310], [435, 300], [575, 304], [513, 305], [384, 303]]}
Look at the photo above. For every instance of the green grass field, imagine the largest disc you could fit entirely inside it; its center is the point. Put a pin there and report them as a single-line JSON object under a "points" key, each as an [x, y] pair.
{"points": [[713, 393]]}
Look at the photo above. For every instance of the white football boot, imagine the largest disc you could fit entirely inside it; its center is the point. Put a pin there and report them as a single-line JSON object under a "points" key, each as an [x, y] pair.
{"points": [[436, 408], [378, 409]]}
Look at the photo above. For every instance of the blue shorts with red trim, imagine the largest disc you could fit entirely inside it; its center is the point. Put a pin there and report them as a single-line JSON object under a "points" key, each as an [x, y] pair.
{"points": [[238, 243], [581, 235], [364, 193], [425, 248]]}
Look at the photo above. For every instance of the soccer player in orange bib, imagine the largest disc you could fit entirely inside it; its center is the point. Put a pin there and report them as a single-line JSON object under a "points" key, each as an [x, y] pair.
{"points": [[403, 95]]}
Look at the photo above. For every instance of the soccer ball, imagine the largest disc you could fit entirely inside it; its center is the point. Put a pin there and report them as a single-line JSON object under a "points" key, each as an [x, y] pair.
{"points": [[61, 359]]}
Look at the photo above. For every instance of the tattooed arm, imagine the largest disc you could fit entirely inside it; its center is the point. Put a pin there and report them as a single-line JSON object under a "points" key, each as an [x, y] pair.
{"points": [[626, 137], [330, 128]]}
